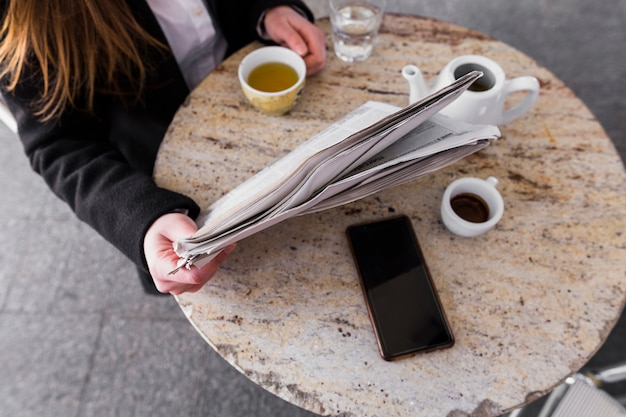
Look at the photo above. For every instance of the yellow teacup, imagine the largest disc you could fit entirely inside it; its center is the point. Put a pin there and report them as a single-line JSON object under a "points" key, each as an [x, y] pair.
{"points": [[272, 78]]}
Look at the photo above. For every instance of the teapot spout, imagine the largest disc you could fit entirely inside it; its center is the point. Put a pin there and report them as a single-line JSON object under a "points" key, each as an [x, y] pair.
{"points": [[417, 84]]}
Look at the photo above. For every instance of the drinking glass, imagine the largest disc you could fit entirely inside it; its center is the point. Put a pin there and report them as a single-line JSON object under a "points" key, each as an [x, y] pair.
{"points": [[355, 25]]}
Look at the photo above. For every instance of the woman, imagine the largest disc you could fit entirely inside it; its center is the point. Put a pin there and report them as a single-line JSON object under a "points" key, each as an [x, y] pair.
{"points": [[94, 84]]}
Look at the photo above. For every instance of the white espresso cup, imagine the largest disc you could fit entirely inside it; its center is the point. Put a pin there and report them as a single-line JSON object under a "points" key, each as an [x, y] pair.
{"points": [[273, 100], [471, 206]]}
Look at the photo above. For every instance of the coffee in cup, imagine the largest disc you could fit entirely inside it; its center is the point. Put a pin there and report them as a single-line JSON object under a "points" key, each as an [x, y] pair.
{"points": [[471, 206]]}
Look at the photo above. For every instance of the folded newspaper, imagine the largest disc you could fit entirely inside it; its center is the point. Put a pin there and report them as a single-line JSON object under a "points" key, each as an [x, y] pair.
{"points": [[347, 161]]}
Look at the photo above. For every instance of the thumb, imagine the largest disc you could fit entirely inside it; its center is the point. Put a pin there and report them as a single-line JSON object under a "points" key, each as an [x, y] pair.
{"points": [[178, 226]]}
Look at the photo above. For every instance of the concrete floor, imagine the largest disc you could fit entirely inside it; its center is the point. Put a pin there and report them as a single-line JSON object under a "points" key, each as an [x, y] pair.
{"points": [[79, 338]]}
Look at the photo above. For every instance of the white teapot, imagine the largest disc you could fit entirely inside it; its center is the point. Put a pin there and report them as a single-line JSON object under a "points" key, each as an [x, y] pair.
{"points": [[484, 101]]}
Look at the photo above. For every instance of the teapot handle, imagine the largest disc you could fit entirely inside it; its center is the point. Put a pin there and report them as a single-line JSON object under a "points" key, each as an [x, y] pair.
{"points": [[526, 83]]}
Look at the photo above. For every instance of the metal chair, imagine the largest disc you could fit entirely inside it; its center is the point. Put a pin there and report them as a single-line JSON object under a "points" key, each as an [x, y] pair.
{"points": [[581, 396]]}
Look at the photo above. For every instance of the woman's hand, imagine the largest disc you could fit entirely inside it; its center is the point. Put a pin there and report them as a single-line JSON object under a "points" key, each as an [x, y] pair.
{"points": [[289, 28], [162, 259]]}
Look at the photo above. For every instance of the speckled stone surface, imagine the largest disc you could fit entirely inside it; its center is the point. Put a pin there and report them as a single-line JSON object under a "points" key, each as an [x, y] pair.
{"points": [[529, 302]]}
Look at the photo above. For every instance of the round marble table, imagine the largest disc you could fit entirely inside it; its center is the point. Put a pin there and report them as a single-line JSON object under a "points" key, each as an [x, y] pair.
{"points": [[529, 302]]}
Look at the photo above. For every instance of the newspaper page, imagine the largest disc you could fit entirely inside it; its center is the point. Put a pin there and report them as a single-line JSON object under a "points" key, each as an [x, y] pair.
{"points": [[348, 160], [355, 135]]}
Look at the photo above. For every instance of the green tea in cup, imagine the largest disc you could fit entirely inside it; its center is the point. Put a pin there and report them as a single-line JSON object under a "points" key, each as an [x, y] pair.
{"points": [[272, 77]]}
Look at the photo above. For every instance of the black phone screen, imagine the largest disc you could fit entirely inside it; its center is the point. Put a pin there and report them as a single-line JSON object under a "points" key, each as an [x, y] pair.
{"points": [[403, 305]]}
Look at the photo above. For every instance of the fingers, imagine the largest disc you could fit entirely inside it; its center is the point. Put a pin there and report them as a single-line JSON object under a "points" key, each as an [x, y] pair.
{"points": [[287, 27], [315, 59], [162, 259], [191, 279]]}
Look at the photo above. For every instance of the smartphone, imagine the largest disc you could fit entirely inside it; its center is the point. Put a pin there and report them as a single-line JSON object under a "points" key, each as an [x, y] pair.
{"points": [[401, 299]]}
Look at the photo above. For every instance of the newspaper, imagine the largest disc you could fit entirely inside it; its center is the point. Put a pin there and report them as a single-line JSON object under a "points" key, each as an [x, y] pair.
{"points": [[348, 160]]}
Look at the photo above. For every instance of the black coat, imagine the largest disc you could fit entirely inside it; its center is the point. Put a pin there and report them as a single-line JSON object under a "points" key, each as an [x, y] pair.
{"points": [[101, 164]]}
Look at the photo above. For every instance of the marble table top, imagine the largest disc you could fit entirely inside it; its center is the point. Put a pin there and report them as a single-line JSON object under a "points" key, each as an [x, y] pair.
{"points": [[529, 302]]}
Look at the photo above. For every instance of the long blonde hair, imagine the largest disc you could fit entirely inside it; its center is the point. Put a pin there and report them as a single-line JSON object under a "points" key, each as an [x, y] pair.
{"points": [[76, 48]]}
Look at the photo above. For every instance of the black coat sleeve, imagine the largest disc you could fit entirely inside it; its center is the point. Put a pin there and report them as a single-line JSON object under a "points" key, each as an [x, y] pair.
{"points": [[101, 167], [100, 163]]}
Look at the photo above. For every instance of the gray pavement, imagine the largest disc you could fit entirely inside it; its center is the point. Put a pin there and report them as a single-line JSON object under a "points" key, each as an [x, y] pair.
{"points": [[79, 338]]}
